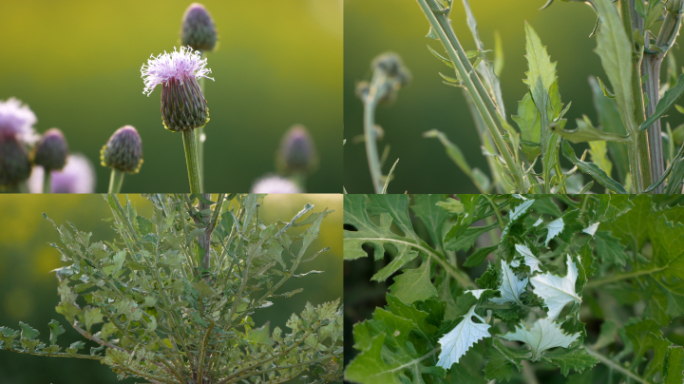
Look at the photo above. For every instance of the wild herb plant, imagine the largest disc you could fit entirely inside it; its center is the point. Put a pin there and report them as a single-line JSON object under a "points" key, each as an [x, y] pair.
{"points": [[171, 299], [633, 38], [585, 285]]}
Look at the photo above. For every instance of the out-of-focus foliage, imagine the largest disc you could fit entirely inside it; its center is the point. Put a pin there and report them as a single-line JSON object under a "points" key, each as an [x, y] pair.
{"points": [[580, 287]]}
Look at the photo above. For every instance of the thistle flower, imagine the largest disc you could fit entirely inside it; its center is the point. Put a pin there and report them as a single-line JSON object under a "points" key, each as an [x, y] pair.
{"points": [[52, 150], [16, 130], [17, 120], [297, 152], [198, 30], [183, 105], [275, 184], [77, 176], [123, 151]]}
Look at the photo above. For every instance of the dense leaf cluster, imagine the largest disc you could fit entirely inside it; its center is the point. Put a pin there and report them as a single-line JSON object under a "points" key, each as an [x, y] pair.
{"points": [[563, 286], [171, 299]]}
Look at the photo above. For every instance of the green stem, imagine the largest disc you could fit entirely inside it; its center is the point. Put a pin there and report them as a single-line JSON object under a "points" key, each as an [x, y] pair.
{"points": [[115, 181], [495, 208], [47, 181], [616, 366], [594, 283], [483, 102], [191, 160], [199, 134], [371, 143]]}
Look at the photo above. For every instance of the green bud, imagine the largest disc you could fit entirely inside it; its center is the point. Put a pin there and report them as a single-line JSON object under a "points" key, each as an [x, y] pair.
{"points": [[198, 30], [183, 105], [123, 151]]}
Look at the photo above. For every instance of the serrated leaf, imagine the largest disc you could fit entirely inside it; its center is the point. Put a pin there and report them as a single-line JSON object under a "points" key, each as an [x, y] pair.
{"points": [[592, 169], [615, 50], [609, 120], [55, 330], [511, 287], [675, 365], [557, 291], [566, 359], [479, 256], [530, 260], [414, 285], [93, 316], [553, 229], [609, 249], [503, 362], [544, 334], [27, 332], [457, 342], [426, 208]]}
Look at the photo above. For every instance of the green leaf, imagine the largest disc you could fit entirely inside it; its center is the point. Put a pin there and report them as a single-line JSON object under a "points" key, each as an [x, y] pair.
{"points": [[479, 256], [145, 225], [615, 50], [55, 330], [646, 335], [592, 169], [541, 72], [426, 208], [607, 335], [74, 347], [28, 333], [529, 123], [632, 227], [93, 316], [609, 249], [503, 362], [585, 132], [414, 285], [675, 365], [566, 359], [457, 157], [666, 102], [609, 120], [466, 240]]}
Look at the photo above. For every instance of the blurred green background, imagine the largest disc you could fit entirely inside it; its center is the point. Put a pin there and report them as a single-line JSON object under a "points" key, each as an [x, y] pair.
{"points": [[28, 291], [77, 65], [373, 27]]}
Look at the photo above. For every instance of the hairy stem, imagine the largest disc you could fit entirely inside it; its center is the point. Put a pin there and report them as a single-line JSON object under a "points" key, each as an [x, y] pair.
{"points": [[370, 102], [189, 143]]}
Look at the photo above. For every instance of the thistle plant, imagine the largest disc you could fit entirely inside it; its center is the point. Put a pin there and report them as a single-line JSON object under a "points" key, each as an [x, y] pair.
{"points": [[518, 288], [633, 38], [123, 154], [183, 105], [171, 299]]}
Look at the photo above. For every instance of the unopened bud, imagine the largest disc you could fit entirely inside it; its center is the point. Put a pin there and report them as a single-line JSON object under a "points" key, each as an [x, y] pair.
{"points": [[123, 151], [52, 150], [198, 30], [297, 151], [15, 166]]}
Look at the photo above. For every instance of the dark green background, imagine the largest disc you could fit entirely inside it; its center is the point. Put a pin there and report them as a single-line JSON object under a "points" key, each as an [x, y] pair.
{"points": [[28, 291], [77, 65], [373, 27]]}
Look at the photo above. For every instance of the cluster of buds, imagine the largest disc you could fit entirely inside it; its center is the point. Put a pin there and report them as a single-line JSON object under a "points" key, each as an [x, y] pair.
{"points": [[389, 76]]}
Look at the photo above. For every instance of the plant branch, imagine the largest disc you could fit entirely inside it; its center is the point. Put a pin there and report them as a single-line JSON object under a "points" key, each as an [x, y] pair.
{"points": [[369, 104], [483, 102], [594, 283], [615, 365]]}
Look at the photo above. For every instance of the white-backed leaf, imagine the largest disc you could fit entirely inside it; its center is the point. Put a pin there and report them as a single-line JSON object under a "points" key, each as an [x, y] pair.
{"points": [[555, 227], [461, 338], [530, 259], [511, 286], [544, 334], [555, 290]]}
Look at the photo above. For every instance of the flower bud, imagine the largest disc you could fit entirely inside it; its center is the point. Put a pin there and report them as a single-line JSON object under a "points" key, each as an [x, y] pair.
{"points": [[275, 184], [198, 30], [297, 152], [123, 151], [15, 166], [388, 62], [394, 76], [183, 105], [52, 150]]}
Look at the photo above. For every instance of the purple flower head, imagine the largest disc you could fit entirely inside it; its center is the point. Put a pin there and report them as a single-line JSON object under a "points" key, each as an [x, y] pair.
{"points": [[178, 65], [275, 184], [17, 120], [77, 176]]}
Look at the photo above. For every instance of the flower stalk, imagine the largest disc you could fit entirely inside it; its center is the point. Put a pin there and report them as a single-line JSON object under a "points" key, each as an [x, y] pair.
{"points": [[191, 159], [115, 181]]}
